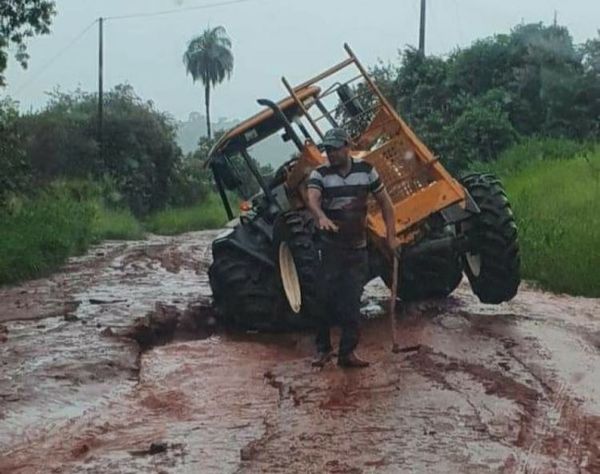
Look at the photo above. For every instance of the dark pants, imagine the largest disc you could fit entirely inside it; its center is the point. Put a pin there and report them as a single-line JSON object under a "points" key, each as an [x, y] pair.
{"points": [[344, 274]]}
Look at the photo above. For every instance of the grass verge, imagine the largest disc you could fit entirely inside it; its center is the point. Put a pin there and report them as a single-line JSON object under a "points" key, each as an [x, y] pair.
{"points": [[207, 215], [557, 207], [531, 151], [116, 224], [39, 236]]}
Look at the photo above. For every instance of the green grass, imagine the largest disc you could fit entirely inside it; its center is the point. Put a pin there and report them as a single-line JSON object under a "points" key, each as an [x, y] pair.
{"points": [[531, 151], [42, 233], [120, 224], [207, 215], [37, 235], [557, 207]]}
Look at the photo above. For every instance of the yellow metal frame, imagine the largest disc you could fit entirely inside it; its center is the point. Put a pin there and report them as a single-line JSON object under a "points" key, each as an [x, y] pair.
{"points": [[417, 182], [418, 190]]}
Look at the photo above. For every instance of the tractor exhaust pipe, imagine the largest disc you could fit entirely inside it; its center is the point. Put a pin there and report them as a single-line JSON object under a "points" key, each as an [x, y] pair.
{"points": [[286, 123]]}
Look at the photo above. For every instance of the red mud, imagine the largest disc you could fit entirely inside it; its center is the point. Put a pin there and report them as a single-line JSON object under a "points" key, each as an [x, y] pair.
{"points": [[134, 379]]}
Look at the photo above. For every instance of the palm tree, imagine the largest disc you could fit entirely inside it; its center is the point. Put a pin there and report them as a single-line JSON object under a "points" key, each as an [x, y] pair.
{"points": [[209, 59]]}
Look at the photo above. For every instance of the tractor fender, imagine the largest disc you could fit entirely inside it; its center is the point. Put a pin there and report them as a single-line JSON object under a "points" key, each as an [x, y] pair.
{"points": [[253, 238]]}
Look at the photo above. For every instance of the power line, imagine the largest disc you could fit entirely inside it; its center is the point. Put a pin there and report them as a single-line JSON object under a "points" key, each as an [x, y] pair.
{"points": [[54, 58], [178, 10], [57, 56]]}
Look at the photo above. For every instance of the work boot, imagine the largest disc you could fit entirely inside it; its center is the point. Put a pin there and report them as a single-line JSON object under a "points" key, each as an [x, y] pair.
{"points": [[322, 359], [352, 361]]}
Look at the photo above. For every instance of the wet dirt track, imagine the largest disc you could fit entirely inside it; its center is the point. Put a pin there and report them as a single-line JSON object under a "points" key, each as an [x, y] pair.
{"points": [[509, 388]]}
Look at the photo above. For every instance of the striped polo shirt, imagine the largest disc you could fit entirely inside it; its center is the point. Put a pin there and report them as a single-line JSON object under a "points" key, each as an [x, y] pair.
{"points": [[344, 200]]}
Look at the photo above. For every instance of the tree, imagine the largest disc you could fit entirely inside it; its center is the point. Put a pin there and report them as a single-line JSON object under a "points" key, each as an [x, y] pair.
{"points": [[19, 20], [209, 59], [480, 133], [14, 169], [141, 156], [591, 55], [477, 101]]}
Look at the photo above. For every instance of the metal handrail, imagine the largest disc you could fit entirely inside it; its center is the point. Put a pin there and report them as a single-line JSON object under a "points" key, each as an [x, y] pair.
{"points": [[357, 96]]}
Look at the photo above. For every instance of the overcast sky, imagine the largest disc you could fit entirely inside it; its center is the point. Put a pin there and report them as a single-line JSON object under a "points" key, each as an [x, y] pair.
{"points": [[271, 38]]}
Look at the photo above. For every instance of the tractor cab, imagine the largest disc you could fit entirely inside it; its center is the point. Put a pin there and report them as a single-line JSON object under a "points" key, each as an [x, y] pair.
{"points": [[236, 148]]}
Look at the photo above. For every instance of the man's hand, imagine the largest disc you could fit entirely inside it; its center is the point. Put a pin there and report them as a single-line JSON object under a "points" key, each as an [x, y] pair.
{"points": [[314, 205], [324, 223]]}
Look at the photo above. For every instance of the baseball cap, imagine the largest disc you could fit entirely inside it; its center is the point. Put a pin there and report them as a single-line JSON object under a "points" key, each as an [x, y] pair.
{"points": [[336, 138]]}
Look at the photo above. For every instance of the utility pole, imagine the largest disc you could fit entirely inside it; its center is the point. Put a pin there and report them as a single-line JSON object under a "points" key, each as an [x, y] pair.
{"points": [[422, 29], [101, 87]]}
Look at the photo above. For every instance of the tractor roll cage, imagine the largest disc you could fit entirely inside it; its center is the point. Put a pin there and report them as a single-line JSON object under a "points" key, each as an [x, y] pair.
{"points": [[417, 183]]}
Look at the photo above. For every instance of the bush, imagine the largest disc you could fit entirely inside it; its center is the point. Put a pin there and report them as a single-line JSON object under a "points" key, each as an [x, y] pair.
{"points": [[471, 105], [140, 155], [479, 134], [14, 169], [43, 232], [191, 183]]}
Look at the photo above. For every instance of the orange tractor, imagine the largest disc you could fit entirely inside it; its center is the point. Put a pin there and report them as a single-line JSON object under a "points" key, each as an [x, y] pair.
{"points": [[265, 270]]}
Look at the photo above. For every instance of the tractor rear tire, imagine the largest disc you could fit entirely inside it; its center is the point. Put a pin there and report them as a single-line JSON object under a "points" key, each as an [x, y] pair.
{"points": [[493, 266], [245, 291]]}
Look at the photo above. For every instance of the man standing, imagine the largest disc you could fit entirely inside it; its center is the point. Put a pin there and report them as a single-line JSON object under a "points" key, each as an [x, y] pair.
{"points": [[337, 198]]}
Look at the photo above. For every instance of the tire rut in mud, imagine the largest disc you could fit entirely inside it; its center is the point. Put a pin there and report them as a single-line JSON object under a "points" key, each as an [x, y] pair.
{"points": [[167, 323]]}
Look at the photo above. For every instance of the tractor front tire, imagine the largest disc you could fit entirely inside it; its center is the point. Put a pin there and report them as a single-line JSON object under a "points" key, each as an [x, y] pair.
{"points": [[296, 231], [422, 277], [431, 275], [245, 291], [493, 264]]}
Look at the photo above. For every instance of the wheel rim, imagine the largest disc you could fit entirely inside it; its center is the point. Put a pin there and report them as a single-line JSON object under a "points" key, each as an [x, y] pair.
{"points": [[473, 259], [474, 262], [289, 277]]}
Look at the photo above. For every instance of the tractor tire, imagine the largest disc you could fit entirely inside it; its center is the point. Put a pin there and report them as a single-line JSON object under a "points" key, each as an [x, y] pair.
{"points": [[245, 291], [422, 277], [431, 275], [493, 265], [296, 230]]}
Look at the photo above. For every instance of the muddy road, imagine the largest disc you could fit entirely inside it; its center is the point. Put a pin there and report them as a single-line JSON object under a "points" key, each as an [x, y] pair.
{"points": [[115, 365]]}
